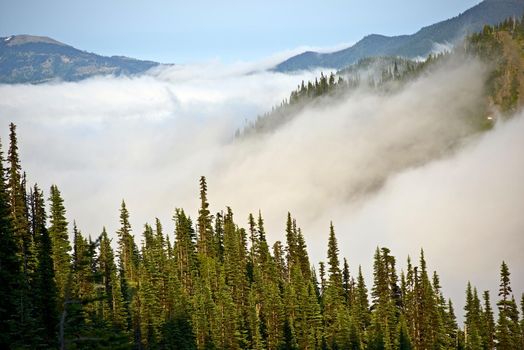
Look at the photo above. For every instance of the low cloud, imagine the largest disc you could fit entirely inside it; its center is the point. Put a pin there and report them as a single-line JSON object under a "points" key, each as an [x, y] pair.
{"points": [[395, 170]]}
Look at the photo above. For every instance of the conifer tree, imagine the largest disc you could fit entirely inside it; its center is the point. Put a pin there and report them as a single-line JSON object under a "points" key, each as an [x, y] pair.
{"points": [[85, 280], [426, 308], [44, 290], [184, 250], [472, 324], [60, 241], [336, 314], [26, 246], [488, 323], [404, 341], [18, 204], [302, 255], [205, 223], [127, 250], [346, 284], [360, 308], [505, 330], [452, 331], [9, 265], [129, 261], [113, 307]]}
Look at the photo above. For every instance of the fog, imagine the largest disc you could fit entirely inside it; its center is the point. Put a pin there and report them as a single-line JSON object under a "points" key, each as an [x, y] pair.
{"points": [[401, 170]]}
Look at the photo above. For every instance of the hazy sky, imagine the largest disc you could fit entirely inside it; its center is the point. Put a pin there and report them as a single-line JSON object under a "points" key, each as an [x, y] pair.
{"points": [[188, 31]]}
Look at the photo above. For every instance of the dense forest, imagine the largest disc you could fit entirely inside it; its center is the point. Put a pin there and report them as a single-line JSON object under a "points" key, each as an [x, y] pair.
{"points": [[500, 47], [217, 286]]}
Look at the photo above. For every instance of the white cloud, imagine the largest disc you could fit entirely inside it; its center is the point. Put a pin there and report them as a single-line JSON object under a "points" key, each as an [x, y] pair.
{"points": [[367, 162]]}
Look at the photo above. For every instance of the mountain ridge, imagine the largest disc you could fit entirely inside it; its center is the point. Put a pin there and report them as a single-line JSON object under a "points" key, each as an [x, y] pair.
{"points": [[419, 44], [37, 59]]}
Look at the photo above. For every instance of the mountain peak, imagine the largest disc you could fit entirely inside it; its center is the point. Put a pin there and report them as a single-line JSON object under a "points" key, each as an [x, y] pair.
{"points": [[419, 44], [14, 40], [37, 59]]}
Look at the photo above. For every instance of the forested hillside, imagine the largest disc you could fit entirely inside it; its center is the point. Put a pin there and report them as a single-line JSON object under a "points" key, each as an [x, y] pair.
{"points": [[419, 44], [33, 59], [499, 47], [218, 285]]}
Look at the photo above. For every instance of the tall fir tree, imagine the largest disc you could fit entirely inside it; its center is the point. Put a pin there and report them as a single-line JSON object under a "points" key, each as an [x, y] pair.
{"points": [[45, 291], [10, 274], [60, 241], [129, 260], [206, 242], [25, 241], [488, 323], [506, 330], [113, 307]]}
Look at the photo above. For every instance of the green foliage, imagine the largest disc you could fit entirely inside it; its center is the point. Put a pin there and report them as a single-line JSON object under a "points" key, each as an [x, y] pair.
{"points": [[10, 273], [60, 241], [218, 286], [499, 47], [44, 288]]}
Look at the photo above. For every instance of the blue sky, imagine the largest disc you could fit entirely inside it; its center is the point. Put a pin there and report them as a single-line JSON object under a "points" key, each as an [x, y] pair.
{"points": [[199, 31]]}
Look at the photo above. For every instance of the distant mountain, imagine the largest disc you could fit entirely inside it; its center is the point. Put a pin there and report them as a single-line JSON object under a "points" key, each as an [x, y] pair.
{"points": [[419, 44], [37, 59]]}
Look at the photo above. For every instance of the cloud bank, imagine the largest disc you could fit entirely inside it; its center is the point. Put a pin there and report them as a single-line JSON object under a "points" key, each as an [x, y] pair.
{"points": [[394, 170]]}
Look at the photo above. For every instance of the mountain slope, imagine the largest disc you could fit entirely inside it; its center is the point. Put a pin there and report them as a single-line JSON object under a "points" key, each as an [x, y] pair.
{"points": [[419, 44], [500, 48], [35, 59]]}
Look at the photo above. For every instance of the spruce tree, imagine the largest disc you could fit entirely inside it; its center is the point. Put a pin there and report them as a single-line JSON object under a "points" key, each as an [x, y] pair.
{"points": [[44, 290], [505, 325], [26, 250], [129, 260], [10, 274], [336, 314], [488, 323], [18, 204], [206, 244], [113, 307], [404, 341], [60, 241], [184, 250]]}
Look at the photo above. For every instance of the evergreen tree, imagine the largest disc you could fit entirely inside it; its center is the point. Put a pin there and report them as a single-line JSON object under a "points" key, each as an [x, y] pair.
{"points": [[404, 341], [129, 261], [488, 323], [25, 323], [360, 308], [472, 324], [337, 320], [10, 274], [346, 284], [18, 204], [113, 306], [505, 329], [204, 223], [60, 241], [44, 289]]}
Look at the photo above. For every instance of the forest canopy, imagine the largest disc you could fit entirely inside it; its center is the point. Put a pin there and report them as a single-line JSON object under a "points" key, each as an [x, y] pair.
{"points": [[217, 285]]}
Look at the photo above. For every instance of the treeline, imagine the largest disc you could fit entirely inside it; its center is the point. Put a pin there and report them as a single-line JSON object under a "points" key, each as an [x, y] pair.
{"points": [[305, 94], [379, 74], [499, 46], [502, 47], [216, 286]]}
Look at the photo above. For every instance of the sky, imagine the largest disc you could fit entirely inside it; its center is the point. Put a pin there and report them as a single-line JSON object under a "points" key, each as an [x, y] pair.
{"points": [[229, 31]]}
